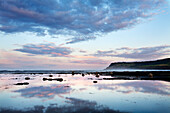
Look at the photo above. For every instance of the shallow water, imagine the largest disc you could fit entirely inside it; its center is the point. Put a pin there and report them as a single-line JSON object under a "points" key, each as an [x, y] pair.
{"points": [[77, 93]]}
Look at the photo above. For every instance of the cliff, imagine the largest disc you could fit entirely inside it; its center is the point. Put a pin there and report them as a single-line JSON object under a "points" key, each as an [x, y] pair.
{"points": [[157, 64]]}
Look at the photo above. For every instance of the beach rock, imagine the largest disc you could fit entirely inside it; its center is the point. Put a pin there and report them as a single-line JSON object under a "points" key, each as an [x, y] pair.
{"points": [[150, 75], [118, 78], [94, 81], [27, 78], [50, 79], [72, 72], [24, 83], [97, 76], [83, 74], [50, 75]]}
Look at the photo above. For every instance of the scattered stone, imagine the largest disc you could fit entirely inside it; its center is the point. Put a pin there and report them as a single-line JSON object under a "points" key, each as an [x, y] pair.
{"points": [[150, 75], [100, 73], [83, 74], [50, 75], [27, 78], [72, 72], [118, 78], [50, 79], [94, 81], [24, 83], [97, 76]]}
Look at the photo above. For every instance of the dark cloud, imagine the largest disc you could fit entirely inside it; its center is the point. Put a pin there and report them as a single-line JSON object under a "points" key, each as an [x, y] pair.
{"points": [[46, 49], [80, 39], [84, 18], [136, 53]]}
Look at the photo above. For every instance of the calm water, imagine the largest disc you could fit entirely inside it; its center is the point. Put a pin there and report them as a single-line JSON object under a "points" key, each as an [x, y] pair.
{"points": [[80, 94], [78, 71]]}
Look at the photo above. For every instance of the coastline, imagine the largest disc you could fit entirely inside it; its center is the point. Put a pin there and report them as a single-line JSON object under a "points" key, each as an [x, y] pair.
{"points": [[112, 74]]}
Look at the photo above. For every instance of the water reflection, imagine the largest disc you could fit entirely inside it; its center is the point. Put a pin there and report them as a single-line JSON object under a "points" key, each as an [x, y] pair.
{"points": [[152, 87], [44, 92], [81, 94], [75, 106]]}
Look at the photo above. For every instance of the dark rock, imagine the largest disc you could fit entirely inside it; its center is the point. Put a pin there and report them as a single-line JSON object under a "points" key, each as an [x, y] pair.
{"points": [[150, 75], [27, 78], [72, 72], [97, 76], [24, 83], [50, 79], [50, 75], [83, 74], [118, 78], [94, 81]]}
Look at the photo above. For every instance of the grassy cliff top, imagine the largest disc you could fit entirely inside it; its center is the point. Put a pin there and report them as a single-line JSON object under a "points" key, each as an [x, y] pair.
{"points": [[157, 64]]}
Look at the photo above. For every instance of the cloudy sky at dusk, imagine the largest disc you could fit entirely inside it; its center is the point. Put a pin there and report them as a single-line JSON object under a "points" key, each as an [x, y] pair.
{"points": [[82, 34]]}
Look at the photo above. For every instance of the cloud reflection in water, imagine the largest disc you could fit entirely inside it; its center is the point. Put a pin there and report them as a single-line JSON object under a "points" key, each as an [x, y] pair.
{"points": [[44, 92], [76, 106], [152, 87]]}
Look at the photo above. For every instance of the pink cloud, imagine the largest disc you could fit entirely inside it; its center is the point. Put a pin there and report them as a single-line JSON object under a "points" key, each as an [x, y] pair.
{"points": [[15, 60]]}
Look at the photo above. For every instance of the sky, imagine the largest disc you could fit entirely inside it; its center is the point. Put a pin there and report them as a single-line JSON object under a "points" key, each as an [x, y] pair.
{"points": [[82, 34]]}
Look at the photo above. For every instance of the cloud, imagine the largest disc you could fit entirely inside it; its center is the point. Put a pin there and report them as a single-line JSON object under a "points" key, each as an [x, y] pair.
{"points": [[14, 60], [82, 20], [45, 49], [18, 60], [100, 53], [79, 39], [90, 61], [137, 53]]}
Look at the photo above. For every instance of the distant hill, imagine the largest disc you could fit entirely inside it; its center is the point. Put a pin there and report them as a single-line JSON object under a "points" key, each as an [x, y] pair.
{"points": [[157, 64]]}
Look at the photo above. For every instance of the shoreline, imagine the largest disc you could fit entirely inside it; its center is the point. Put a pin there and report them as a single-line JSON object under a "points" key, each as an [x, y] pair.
{"points": [[113, 75]]}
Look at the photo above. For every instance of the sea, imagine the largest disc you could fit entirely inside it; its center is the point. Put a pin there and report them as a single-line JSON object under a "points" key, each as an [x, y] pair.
{"points": [[77, 71], [79, 91]]}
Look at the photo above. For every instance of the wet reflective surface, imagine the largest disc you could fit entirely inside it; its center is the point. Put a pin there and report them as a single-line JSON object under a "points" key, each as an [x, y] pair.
{"points": [[80, 93]]}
